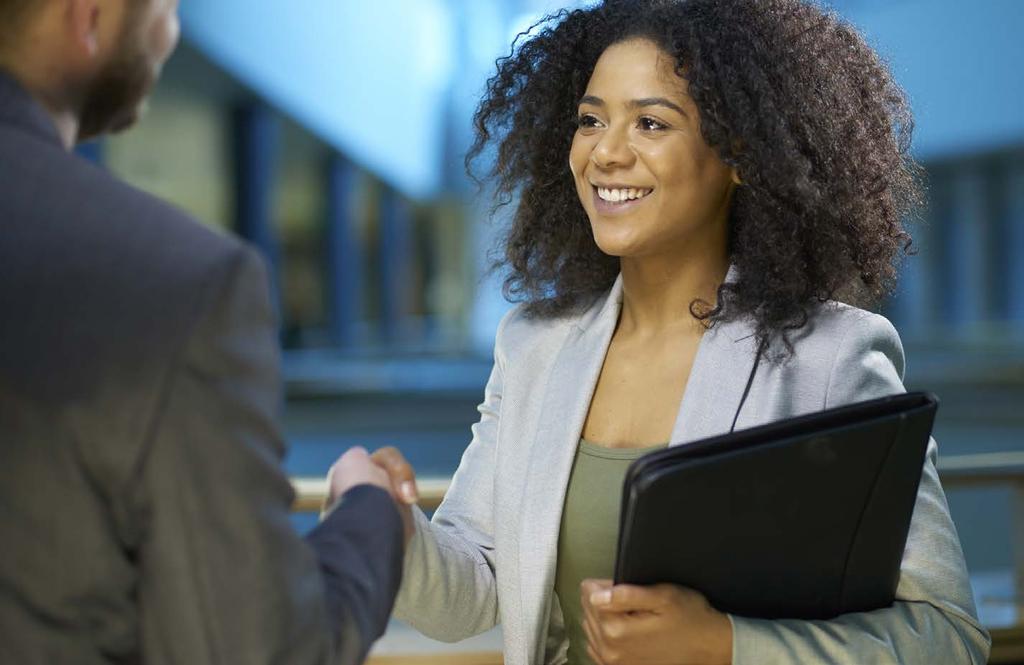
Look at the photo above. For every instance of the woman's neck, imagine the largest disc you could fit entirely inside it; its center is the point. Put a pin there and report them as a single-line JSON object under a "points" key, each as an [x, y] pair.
{"points": [[657, 291]]}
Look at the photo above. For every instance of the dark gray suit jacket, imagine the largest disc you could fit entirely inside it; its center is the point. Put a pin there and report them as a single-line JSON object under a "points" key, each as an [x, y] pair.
{"points": [[143, 508]]}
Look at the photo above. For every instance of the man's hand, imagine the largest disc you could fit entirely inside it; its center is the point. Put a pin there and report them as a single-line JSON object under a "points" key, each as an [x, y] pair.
{"points": [[647, 625], [354, 468], [386, 469]]}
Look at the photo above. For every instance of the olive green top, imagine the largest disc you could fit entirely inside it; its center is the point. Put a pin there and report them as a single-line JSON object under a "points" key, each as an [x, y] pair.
{"points": [[590, 530]]}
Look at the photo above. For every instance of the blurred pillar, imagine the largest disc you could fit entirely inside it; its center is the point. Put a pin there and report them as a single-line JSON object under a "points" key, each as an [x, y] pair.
{"points": [[395, 260], [1012, 245], [344, 254], [255, 153], [964, 222]]}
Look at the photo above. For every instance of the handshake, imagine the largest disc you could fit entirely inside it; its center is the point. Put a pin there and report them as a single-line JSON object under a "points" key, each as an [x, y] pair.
{"points": [[386, 468]]}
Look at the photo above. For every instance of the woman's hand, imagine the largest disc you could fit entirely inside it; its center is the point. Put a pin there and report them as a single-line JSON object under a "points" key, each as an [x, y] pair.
{"points": [[403, 484], [662, 624]]}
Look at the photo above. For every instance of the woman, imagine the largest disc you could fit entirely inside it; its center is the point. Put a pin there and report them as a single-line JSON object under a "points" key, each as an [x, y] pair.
{"points": [[699, 183]]}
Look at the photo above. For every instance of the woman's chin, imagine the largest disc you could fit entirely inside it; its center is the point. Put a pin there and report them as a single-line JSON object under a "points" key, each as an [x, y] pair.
{"points": [[618, 246]]}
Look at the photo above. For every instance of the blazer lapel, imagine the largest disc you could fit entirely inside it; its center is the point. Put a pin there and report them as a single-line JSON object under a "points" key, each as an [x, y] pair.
{"points": [[720, 371], [566, 401]]}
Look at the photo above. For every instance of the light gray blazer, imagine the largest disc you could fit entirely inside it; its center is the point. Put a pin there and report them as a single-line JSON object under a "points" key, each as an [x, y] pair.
{"points": [[488, 555]]}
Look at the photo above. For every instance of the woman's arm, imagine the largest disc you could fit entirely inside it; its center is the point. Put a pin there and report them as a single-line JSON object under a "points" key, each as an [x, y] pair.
{"points": [[448, 588], [933, 619]]}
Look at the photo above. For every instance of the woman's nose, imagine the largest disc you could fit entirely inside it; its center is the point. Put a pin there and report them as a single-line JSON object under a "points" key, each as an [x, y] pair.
{"points": [[612, 150]]}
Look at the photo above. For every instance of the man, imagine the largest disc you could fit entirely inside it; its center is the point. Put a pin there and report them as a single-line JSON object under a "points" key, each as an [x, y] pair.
{"points": [[143, 510]]}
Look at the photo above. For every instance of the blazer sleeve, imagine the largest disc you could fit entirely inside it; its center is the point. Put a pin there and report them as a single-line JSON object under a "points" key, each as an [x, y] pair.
{"points": [[449, 589], [224, 578], [933, 619]]}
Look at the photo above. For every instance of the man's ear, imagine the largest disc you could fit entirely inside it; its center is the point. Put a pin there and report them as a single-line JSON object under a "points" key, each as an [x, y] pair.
{"points": [[82, 25]]}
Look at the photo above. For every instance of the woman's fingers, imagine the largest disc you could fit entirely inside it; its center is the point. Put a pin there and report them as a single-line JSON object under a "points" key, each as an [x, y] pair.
{"points": [[606, 597], [595, 643], [401, 473], [594, 592]]}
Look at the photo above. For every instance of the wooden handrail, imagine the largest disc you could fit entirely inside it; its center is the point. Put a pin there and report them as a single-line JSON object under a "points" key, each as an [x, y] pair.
{"points": [[310, 493], [454, 658], [982, 469], [1007, 645]]}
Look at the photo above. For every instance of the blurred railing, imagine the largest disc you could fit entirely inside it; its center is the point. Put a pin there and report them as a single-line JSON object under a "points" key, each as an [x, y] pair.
{"points": [[1005, 469], [310, 493], [958, 471], [469, 658]]}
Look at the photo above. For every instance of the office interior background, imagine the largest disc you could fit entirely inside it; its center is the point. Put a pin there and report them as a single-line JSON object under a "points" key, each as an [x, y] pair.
{"points": [[331, 134]]}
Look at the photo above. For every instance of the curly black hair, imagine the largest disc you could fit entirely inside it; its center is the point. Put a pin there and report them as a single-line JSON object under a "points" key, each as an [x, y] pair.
{"points": [[789, 94]]}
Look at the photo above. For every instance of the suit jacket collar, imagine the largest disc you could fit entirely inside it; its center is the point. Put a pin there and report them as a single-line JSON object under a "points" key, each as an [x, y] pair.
{"points": [[724, 359], [18, 108]]}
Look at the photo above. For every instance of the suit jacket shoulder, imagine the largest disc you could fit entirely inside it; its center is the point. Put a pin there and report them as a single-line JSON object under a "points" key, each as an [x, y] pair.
{"points": [[122, 274]]}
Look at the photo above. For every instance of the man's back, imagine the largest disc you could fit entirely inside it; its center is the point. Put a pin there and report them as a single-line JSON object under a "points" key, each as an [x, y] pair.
{"points": [[143, 513]]}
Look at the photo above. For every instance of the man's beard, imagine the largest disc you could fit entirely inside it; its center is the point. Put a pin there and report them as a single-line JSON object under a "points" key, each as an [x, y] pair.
{"points": [[113, 101]]}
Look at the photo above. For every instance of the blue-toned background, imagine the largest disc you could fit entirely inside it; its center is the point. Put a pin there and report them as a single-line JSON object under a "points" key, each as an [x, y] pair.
{"points": [[331, 134]]}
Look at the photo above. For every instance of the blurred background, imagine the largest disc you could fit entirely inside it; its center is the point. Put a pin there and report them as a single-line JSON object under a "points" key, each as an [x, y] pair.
{"points": [[331, 134]]}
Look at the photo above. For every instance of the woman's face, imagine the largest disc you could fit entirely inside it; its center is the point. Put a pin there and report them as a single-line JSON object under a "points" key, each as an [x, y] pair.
{"points": [[647, 180]]}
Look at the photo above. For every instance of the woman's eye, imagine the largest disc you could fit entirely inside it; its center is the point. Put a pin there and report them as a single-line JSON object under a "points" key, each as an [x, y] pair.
{"points": [[651, 125], [587, 121]]}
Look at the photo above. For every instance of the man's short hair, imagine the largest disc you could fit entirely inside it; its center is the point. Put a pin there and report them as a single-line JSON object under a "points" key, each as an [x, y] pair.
{"points": [[13, 14]]}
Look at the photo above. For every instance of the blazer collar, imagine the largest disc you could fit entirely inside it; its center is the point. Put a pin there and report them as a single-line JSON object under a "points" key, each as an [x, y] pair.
{"points": [[20, 109], [609, 306], [565, 402], [725, 358], [604, 310], [724, 361]]}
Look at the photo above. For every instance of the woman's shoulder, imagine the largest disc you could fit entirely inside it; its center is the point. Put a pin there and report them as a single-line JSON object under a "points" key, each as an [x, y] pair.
{"points": [[833, 326], [831, 323], [845, 344]]}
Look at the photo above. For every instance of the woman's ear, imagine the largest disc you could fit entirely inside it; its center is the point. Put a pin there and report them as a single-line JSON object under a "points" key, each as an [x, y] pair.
{"points": [[736, 176]]}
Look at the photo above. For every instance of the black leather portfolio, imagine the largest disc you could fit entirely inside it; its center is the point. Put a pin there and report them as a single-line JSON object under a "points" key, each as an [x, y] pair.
{"points": [[803, 518]]}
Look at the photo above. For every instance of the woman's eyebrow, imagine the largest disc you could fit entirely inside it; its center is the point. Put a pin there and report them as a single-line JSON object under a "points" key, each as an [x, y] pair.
{"points": [[637, 103], [657, 101]]}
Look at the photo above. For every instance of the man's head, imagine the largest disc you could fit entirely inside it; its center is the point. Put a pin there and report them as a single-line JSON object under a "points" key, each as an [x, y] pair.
{"points": [[12, 15], [91, 62]]}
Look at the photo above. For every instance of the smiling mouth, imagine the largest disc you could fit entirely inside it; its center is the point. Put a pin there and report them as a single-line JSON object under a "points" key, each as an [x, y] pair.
{"points": [[617, 201], [621, 195]]}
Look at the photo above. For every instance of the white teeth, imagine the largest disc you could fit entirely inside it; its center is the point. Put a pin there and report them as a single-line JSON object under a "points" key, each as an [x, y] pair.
{"points": [[618, 195]]}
